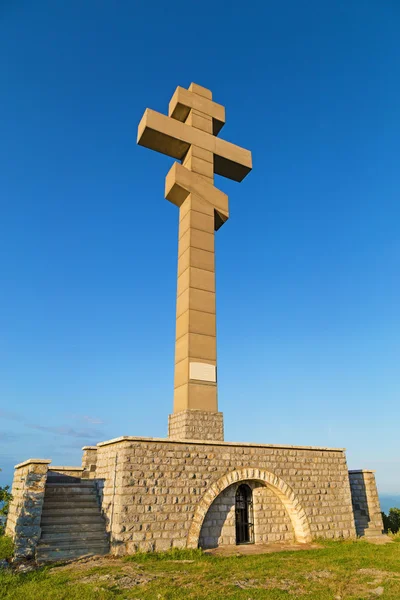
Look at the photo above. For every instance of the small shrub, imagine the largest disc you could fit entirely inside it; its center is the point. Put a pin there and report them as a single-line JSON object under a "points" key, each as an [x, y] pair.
{"points": [[6, 547], [391, 522], [5, 499]]}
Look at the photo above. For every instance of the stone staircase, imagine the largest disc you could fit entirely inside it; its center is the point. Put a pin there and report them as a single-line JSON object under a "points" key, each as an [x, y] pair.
{"points": [[363, 525], [72, 525]]}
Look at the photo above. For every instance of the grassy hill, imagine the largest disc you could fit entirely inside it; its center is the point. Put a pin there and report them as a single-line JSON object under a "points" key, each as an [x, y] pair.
{"points": [[347, 570]]}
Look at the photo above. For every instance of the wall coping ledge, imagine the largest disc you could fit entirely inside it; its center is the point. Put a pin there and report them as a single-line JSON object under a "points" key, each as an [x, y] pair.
{"points": [[362, 471], [33, 461], [66, 469], [128, 438], [89, 448]]}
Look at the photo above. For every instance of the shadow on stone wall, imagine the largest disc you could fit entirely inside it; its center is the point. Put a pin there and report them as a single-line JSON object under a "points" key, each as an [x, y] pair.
{"points": [[270, 519], [366, 505], [219, 524]]}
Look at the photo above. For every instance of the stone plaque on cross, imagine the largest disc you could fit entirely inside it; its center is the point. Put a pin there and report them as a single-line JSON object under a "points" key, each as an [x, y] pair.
{"points": [[188, 134]]}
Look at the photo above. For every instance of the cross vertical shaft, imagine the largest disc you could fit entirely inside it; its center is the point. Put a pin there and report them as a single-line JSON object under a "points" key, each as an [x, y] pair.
{"points": [[195, 386], [189, 135]]}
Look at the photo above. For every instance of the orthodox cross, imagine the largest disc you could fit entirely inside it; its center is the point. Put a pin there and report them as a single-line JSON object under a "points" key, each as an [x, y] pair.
{"points": [[188, 134]]}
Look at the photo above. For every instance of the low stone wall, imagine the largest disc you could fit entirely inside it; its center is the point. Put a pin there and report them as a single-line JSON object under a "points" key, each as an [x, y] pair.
{"points": [[156, 493], [23, 521], [366, 504], [89, 460], [76, 472]]}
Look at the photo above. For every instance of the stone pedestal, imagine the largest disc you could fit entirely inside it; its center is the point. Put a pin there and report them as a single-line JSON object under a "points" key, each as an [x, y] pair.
{"points": [[196, 425], [89, 459], [366, 505], [23, 521]]}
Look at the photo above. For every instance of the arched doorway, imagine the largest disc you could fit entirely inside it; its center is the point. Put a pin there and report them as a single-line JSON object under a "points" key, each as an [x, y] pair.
{"points": [[213, 522], [244, 521]]}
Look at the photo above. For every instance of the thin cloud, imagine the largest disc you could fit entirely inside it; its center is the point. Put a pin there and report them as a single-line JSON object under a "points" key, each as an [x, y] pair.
{"points": [[69, 431], [86, 419], [82, 434], [92, 420], [11, 416], [7, 437]]}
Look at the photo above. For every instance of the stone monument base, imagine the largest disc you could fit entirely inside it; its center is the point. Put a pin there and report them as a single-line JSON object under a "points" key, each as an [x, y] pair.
{"points": [[157, 494], [196, 425]]}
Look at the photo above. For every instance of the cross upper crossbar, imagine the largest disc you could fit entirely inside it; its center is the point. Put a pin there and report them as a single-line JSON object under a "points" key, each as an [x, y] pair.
{"points": [[184, 100], [170, 136]]}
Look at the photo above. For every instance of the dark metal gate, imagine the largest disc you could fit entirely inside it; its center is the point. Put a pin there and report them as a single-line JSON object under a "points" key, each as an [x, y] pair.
{"points": [[244, 515]]}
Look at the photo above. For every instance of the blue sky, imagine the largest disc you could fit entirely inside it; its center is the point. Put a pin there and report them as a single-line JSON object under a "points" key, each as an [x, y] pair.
{"points": [[308, 289]]}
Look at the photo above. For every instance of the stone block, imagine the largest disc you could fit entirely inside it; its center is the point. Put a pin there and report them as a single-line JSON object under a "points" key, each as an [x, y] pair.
{"points": [[200, 90], [202, 259], [201, 300], [200, 121], [183, 101], [197, 220]]}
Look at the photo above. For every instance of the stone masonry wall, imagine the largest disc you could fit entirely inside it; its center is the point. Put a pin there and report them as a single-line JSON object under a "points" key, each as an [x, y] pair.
{"points": [[271, 520], [23, 521], [89, 460], [219, 525], [196, 425], [153, 491], [366, 505]]}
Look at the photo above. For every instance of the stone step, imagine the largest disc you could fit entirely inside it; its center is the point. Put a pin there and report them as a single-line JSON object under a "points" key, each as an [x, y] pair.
{"points": [[75, 543], [57, 492], [79, 485], [71, 536], [372, 532], [72, 509], [50, 555], [64, 504], [54, 496], [63, 479], [48, 498], [70, 497], [78, 549], [72, 519], [67, 499], [368, 532], [364, 525], [69, 527]]}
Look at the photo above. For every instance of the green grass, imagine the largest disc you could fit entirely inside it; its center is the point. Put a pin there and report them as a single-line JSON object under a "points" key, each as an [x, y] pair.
{"points": [[6, 547], [346, 570], [174, 554]]}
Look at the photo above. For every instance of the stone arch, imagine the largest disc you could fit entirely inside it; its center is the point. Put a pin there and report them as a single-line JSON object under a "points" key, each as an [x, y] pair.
{"points": [[282, 490]]}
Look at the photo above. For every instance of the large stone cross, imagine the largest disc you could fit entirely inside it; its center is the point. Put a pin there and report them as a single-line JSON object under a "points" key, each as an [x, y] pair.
{"points": [[189, 135]]}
